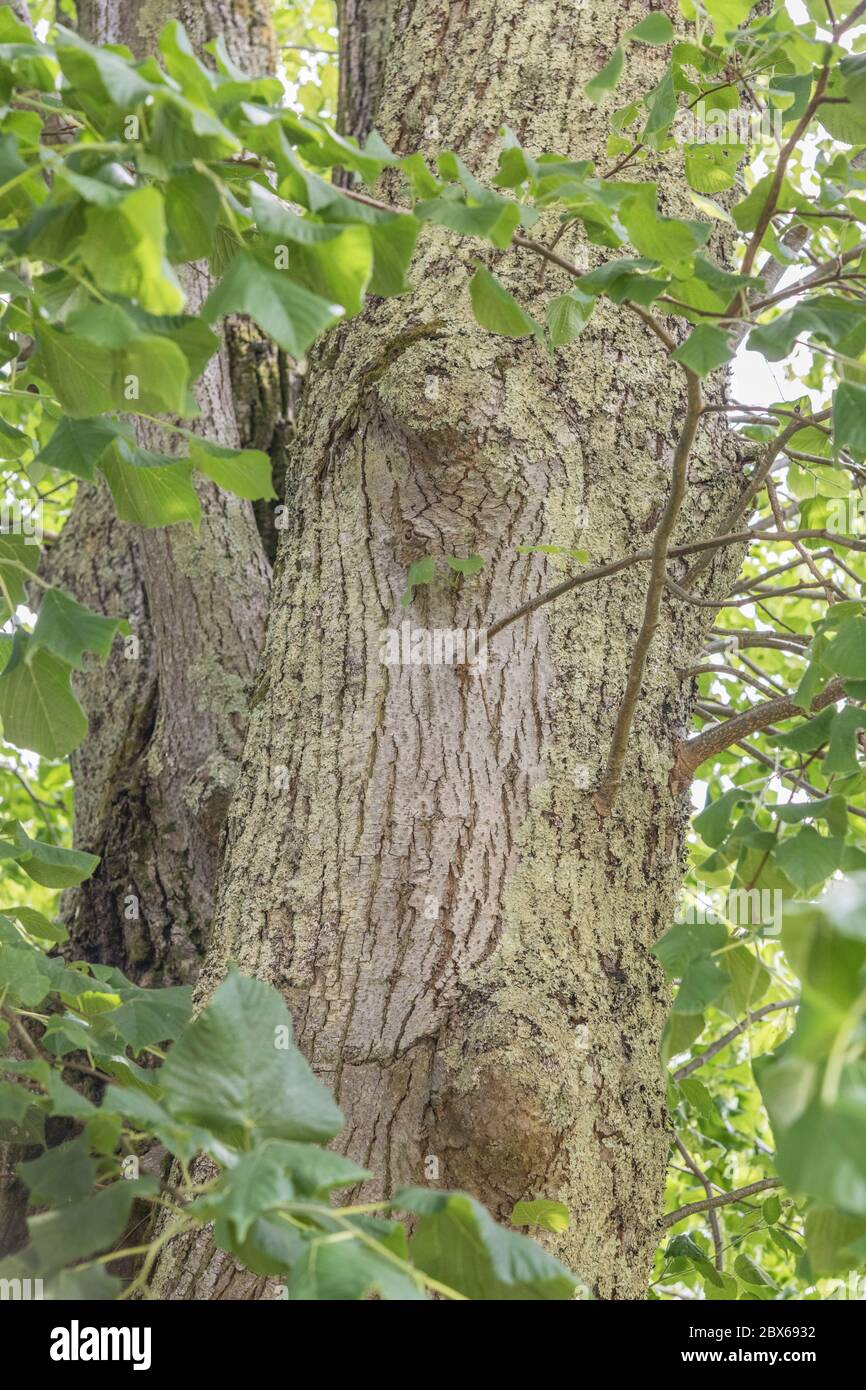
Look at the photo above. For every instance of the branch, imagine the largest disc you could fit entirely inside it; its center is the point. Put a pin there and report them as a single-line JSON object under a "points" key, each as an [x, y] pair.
{"points": [[754, 533], [606, 794], [723, 1200], [788, 775], [827, 271], [694, 751], [768, 210], [721, 1043], [752, 488], [708, 1188]]}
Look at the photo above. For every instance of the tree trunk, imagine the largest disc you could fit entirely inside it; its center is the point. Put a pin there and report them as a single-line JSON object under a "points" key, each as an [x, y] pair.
{"points": [[413, 855], [168, 715]]}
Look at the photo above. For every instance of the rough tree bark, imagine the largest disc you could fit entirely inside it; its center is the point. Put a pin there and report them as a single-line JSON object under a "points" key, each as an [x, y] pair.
{"points": [[154, 776], [413, 856]]}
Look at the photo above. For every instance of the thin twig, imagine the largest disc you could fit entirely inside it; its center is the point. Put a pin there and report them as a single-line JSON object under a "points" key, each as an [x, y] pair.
{"points": [[721, 1043], [723, 1200], [712, 1215]]}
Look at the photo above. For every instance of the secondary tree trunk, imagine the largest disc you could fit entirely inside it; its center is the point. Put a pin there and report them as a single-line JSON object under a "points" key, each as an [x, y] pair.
{"points": [[154, 777], [413, 855]]}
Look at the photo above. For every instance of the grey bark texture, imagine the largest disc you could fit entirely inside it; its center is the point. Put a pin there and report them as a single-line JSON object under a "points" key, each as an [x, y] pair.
{"points": [[167, 718], [412, 855]]}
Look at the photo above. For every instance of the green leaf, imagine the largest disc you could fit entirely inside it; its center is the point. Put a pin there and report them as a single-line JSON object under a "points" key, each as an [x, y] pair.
{"points": [[846, 653], [37, 706], [699, 1098], [841, 756], [685, 942], [420, 572], [76, 446], [14, 1100], [124, 250], [808, 859], [749, 1272], [348, 1271], [829, 1234], [771, 1209], [52, 865], [551, 1216], [712, 168], [458, 1243], [256, 1184], [69, 630], [843, 115], [728, 14], [64, 1174], [149, 1116], [654, 29], [147, 1016], [607, 78], [333, 260], [316, 1171], [811, 734], [669, 240], [567, 316], [473, 564], [36, 923], [291, 315], [829, 808], [236, 1072], [495, 219], [245, 472], [686, 952], [749, 980], [18, 559], [662, 104], [82, 1229], [496, 309], [101, 72], [713, 822], [705, 349], [148, 373], [23, 975], [849, 418], [147, 488], [192, 205]]}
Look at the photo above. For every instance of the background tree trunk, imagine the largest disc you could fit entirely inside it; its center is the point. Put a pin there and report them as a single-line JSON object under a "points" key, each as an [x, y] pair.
{"points": [[413, 855], [154, 777]]}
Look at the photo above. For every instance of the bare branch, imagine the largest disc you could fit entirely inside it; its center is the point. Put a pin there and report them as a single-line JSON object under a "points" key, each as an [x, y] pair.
{"points": [[754, 533], [712, 1216], [606, 794], [723, 1200], [694, 751], [721, 1043]]}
